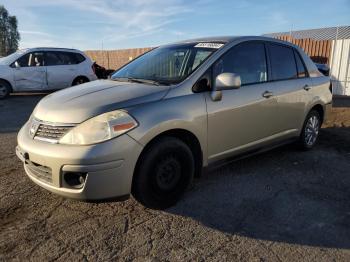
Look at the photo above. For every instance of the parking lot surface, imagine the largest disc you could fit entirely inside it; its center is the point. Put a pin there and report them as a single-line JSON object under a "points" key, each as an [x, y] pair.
{"points": [[283, 205]]}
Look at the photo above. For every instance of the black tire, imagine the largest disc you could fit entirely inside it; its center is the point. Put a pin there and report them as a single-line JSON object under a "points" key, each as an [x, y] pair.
{"points": [[164, 172], [80, 80], [5, 89], [309, 135]]}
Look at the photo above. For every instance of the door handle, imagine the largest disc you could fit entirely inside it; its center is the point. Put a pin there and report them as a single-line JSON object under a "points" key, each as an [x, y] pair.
{"points": [[307, 87], [267, 94]]}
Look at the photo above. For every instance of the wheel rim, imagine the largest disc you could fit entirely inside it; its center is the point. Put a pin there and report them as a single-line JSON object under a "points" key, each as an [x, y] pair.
{"points": [[168, 173], [3, 91], [311, 130]]}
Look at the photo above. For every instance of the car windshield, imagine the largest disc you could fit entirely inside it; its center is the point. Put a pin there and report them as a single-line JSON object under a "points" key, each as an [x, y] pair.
{"points": [[11, 58], [167, 65]]}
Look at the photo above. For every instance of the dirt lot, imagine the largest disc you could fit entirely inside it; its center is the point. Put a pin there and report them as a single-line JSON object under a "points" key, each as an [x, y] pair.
{"points": [[284, 205]]}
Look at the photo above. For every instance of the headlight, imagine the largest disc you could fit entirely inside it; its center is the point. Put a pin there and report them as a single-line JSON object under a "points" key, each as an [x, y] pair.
{"points": [[100, 128]]}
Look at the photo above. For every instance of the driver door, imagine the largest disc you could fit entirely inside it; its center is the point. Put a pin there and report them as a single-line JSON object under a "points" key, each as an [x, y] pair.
{"points": [[30, 72], [242, 118]]}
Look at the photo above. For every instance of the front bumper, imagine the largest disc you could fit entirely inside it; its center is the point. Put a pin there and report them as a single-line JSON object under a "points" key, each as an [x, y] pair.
{"points": [[109, 166]]}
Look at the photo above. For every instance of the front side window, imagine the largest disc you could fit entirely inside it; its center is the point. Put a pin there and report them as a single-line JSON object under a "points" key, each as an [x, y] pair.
{"points": [[31, 60], [24, 61], [282, 61], [247, 60], [167, 65]]}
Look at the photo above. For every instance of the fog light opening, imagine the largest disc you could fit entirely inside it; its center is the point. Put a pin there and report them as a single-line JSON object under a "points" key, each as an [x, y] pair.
{"points": [[75, 180]]}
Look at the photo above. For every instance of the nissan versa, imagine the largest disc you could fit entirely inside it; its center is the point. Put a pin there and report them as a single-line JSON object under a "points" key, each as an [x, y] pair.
{"points": [[168, 114]]}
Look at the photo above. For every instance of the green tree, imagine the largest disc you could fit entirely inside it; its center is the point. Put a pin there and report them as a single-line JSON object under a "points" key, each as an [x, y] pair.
{"points": [[9, 35]]}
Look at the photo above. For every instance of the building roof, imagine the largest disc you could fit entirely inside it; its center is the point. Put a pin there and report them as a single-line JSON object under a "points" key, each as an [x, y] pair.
{"points": [[327, 33]]}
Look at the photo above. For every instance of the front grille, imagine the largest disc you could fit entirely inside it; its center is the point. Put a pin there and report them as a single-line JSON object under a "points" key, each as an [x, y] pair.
{"points": [[40, 172], [51, 132]]}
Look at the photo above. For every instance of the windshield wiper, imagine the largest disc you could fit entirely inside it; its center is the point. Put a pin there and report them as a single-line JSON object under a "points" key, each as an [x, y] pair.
{"points": [[141, 81]]}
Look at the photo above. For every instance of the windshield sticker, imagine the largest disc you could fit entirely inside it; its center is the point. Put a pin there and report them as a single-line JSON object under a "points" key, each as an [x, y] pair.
{"points": [[209, 45]]}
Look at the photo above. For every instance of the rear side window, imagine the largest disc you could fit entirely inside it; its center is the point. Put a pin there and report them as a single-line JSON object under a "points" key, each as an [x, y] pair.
{"points": [[247, 60], [66, 58], [300, 66], [63, 58], [52, 59], [69, 58], [78, 58], [282, 61]]}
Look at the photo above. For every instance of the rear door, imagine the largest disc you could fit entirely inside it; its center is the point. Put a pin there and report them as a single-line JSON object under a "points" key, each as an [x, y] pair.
{"points": [[61, 69], [242, 118], [290, 87], [30, 72]]}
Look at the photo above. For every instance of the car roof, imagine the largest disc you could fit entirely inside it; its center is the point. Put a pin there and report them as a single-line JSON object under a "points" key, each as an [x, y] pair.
{"points": [[52, 49], [221, 39], [229, 39]]}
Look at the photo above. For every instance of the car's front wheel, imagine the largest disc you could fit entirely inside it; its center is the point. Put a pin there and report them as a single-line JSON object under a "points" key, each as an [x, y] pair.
{"points": [[80, 80], [311, 129], [164, 172], [5, 89]]}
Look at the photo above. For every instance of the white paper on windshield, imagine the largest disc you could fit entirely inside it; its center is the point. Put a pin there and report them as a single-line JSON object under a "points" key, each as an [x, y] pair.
{"points": [[209, 45]]}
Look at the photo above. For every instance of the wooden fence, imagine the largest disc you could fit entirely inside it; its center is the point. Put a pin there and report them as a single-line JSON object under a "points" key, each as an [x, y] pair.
{"points": [[318, 50], [114, 59]]}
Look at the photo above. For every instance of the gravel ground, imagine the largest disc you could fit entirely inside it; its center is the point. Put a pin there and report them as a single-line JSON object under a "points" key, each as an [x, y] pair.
{"points": [[283, 205]]}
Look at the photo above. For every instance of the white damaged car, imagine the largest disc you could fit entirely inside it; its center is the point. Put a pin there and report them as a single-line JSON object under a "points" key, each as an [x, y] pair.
{"points": [[44, 69]]}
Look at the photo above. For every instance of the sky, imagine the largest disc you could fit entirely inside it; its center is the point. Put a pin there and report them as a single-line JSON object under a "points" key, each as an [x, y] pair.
{"points": [[118, 24]]}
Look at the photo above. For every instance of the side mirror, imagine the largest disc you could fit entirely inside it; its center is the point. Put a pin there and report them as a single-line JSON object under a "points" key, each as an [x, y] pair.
{"points": [[225, 81], [17, 65], [201, 86]]}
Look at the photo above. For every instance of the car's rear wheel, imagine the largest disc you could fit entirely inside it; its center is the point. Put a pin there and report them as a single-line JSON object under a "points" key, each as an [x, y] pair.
{"points": [[80, 80], [164, 172], [5, 89], [311, 129]]}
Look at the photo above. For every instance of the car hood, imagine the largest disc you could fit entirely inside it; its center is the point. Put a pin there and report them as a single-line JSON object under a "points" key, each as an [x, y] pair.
{"points": [[4, 68], [78, 103]]}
